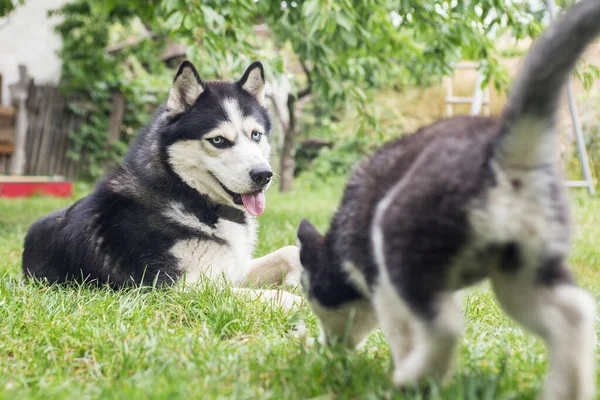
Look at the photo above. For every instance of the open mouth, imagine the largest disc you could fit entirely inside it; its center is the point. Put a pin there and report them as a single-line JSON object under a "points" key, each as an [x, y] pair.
{"points": [[253, 202]]}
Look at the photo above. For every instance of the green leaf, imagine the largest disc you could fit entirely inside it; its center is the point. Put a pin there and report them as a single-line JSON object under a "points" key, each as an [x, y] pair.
{"points": [[174, 21], [172, 5], [310, 8], [343, 21], [212, 18]]}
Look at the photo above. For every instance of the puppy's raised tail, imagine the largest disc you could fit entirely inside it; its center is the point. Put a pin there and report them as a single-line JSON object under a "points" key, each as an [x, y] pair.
{"points": [[528, 138]]}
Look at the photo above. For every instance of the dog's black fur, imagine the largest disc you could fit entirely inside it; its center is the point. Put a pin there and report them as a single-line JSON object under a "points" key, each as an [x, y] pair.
{"points": [[430, 241]]}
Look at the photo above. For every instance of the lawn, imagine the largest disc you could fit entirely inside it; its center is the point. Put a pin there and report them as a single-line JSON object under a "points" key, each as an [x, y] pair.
{"points": [[206, 343]]}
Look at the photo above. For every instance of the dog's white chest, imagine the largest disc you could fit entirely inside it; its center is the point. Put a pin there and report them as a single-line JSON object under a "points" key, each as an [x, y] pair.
{"points": [[226, 254]]}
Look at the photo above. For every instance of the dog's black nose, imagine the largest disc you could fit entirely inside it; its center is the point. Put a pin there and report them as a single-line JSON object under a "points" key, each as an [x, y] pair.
{"points": [[261, 176]]}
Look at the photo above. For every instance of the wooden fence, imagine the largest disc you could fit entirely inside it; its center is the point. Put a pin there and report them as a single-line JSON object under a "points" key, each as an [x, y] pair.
{"points": [[7, 134], [49, 124]]}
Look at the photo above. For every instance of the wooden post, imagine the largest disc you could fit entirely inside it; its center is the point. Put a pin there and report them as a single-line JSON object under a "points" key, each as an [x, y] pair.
{"points": [[486, 101], [449, 95], [477, 95], [18, 94]]}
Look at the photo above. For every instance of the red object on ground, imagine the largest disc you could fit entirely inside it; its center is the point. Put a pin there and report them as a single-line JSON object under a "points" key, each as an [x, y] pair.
{"points": [[27, 189]]}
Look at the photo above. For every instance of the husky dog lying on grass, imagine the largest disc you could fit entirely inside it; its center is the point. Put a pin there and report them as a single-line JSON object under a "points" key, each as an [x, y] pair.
{"points": [[461, 200], [183, 204]]}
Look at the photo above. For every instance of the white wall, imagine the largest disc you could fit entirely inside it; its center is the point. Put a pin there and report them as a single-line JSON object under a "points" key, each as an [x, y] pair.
{"points": [[27, 37]]}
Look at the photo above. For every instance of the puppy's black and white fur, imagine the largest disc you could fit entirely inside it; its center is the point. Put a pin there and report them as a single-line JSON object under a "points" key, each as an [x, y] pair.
{"points": [[182, 204], [461, 200]]}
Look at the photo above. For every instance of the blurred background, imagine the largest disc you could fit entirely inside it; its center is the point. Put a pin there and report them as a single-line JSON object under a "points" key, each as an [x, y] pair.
{"points": [[80, 78]]}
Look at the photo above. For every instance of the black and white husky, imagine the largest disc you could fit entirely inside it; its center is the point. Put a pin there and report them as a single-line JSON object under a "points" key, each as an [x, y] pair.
{"points": [[182, 204], [461, 200]]}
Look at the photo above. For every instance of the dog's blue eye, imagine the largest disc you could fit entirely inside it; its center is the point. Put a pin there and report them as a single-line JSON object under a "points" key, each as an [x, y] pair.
{"points": [[219, 142], [256, 136]]}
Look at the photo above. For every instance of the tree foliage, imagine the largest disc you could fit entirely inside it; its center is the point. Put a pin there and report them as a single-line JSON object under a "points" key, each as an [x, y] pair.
{"points": [[351, 46], [6, 6], [345, 48], [91, 75]]}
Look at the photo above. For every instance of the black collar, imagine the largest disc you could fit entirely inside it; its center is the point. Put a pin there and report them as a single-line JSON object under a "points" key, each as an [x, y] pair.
{"points": [[230, 213]]}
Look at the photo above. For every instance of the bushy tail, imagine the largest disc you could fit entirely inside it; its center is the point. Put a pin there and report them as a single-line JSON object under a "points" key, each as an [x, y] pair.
{"points": [[528, 120]]}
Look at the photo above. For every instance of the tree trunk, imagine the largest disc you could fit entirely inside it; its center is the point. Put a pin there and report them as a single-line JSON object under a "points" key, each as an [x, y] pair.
{"points": [[114, 128], [116, 117], [288, 151]]}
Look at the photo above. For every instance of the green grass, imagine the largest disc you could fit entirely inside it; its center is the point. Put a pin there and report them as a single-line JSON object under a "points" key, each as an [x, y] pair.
{"points": [[57, 342]]}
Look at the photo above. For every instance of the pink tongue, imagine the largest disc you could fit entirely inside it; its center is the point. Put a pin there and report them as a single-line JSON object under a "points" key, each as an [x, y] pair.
{"points": [[254, 202]]}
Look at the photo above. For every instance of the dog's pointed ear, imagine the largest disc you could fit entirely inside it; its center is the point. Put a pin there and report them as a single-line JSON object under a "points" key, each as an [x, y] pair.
{"points": [[309, 242], [186, 88], [253, 81], [307, 232]]}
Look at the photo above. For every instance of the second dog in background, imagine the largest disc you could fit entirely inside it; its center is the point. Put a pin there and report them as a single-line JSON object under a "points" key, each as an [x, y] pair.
{"points": [[461, 200]]}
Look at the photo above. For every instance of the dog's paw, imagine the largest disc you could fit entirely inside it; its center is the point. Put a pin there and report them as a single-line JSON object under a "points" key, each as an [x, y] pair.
{"points": [[410, 387], [300, 332], [401, 380], [408, 383], [293, 270], [405, 381], [292, 279], [280, 298]]}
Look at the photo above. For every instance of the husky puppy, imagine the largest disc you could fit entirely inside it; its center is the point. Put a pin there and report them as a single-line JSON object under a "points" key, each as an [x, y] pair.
{"points": [[182, 205], [461, 200]]}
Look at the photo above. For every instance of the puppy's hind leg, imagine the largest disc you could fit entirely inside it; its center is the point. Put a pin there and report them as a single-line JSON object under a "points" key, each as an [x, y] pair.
{"points": [[563, 315], [422, 346], [395, 320]]}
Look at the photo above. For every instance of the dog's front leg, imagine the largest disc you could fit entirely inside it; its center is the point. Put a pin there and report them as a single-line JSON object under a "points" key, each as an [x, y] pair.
{"points": [[281, 267], [280, 298]]}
